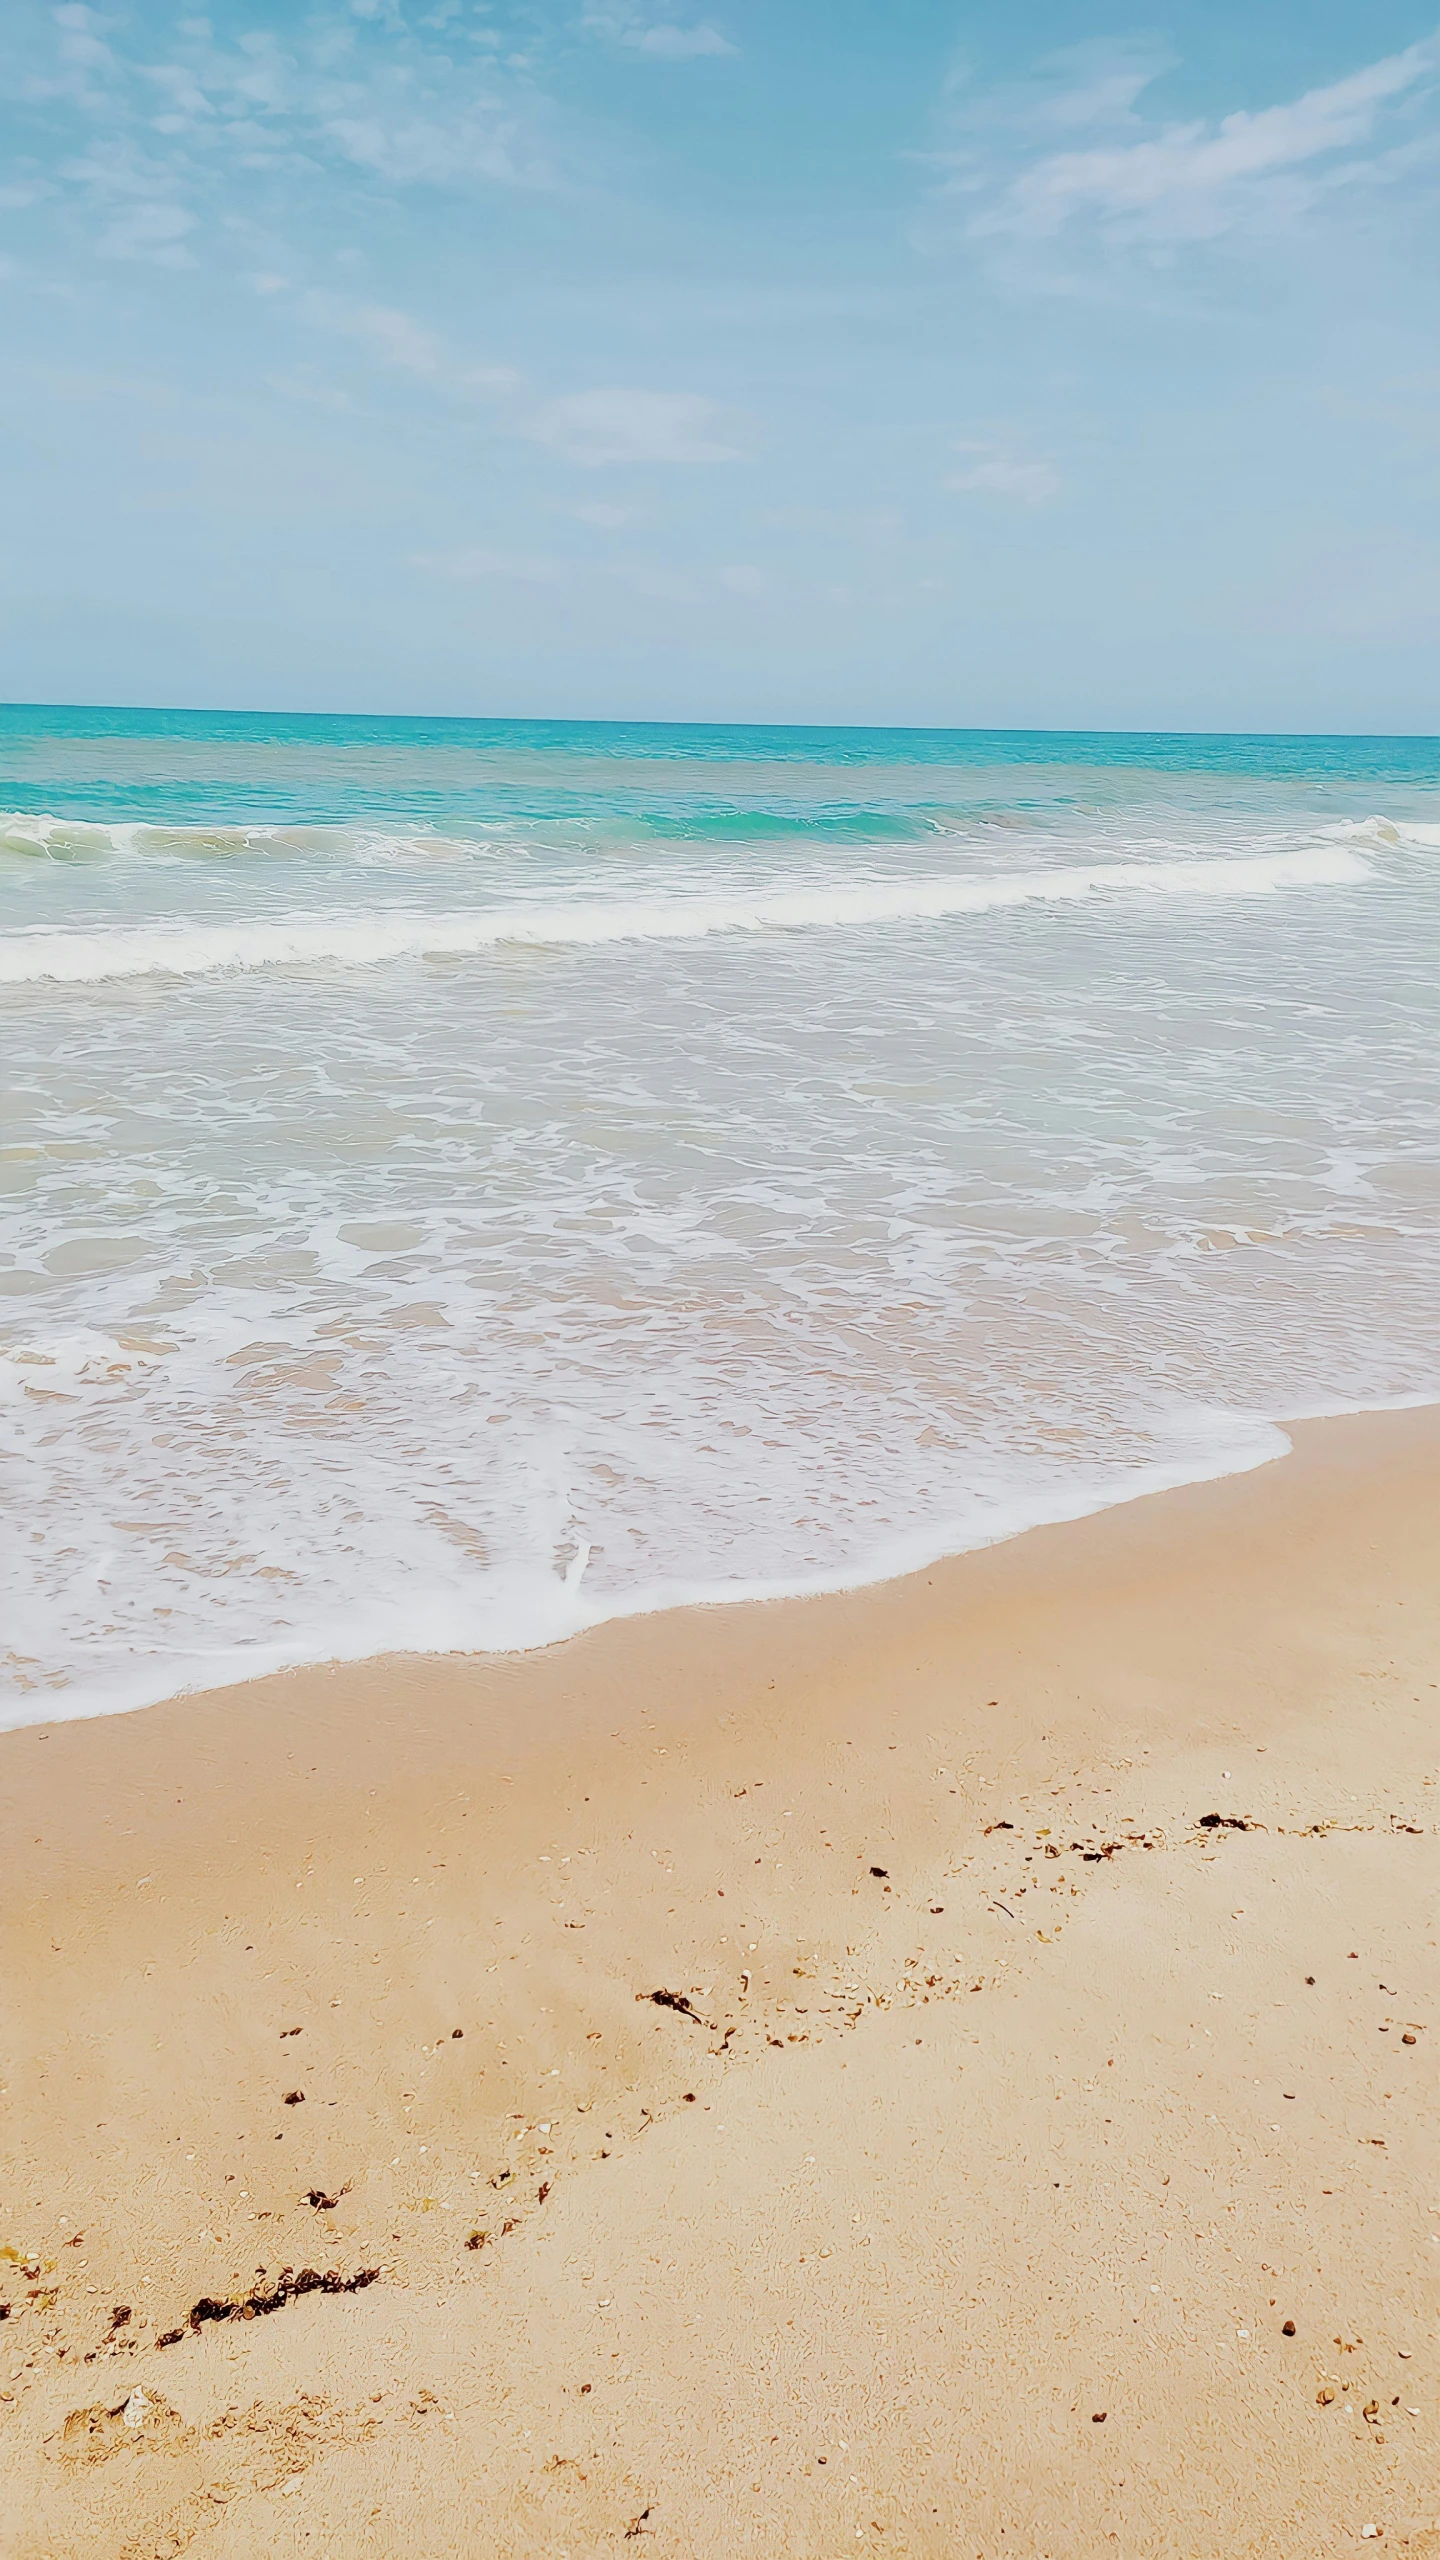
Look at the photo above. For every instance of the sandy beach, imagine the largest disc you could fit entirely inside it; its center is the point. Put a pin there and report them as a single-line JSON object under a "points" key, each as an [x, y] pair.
{"points": [[948, 2070]]}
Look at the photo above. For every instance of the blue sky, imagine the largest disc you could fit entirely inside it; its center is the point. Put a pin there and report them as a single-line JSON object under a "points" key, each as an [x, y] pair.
{"points": [[879, 360]]}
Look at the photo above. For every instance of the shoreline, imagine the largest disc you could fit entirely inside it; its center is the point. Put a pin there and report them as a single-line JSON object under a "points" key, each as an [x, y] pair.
{"points": [[789, 2266], [908, 1553]]}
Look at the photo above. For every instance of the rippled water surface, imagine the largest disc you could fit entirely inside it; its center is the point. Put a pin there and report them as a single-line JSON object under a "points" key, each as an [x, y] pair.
{"points": [[468, 1179]]}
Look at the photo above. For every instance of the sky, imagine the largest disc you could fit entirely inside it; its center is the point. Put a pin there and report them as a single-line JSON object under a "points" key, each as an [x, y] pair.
{"points": [[819, 360]]}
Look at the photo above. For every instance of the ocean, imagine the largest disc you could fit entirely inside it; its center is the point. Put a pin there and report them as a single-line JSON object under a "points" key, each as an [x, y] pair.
{"points": [[471, 1179]]}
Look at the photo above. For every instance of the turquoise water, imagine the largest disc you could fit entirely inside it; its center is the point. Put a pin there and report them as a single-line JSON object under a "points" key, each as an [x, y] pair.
{"points": [[188, 768], [473, 1178]]}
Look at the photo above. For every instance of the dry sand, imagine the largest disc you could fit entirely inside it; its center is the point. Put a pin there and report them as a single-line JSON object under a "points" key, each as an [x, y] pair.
{"points": [[1016, 2113]]}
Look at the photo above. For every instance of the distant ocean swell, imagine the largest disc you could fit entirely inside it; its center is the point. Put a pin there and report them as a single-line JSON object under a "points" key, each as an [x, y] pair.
{"points": [[365, 942], [41, 835]]}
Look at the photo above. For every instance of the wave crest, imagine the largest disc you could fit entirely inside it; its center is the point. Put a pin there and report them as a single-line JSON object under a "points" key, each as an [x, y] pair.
{"points": [[1378, 831], [360, 942]]}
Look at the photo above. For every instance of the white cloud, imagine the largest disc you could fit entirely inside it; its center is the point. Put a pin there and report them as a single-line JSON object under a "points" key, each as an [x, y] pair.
{"points": [[396, 339], [133, 200], [682, 44], [374, 93], [432, 148], [1097, 84], [662, 38], [487, 381], [84, 65], [152, 231], [996, 474], [1089, 88], [1161, 183], [744, 580], [391, 335], [614, 426], [184, 101]]}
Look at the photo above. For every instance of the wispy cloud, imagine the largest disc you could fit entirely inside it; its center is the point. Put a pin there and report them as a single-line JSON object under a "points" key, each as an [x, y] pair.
{"points": [[1134, 180], [991, 472], [607, 426], [80, 66], [1193, 181], [389, 340], [664, 39], [387, 94], [393, 336], [132, 199], [1091, 87], [615, 426], [155, 231]]}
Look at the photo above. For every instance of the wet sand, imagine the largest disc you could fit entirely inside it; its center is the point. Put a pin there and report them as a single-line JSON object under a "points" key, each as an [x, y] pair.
{"points": [[1049, 1944]]}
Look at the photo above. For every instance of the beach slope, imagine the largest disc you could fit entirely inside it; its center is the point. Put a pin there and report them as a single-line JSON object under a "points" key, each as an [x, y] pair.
{"points": [[944, 2070]]}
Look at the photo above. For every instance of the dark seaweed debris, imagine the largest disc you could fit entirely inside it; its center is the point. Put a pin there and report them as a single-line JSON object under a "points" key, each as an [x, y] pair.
{"points": [[675, 2000], [288, 2287], [1223, 1822]]}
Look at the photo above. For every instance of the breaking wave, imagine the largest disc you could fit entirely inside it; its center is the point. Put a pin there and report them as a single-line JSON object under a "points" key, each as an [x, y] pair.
{"points": [[394, 933]]}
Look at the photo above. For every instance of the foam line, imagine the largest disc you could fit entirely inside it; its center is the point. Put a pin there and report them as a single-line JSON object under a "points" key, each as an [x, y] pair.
{"points": [[394, 933]]}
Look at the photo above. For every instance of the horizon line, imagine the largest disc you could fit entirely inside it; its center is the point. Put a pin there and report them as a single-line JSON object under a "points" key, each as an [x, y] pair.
{"points": [[566, 720]]}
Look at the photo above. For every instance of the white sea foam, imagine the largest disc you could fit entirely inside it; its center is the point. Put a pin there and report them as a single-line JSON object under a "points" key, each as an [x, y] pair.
{"points": [[843, 1200], [1386, 831], [394, 933], [39, 834], [402, 1594]]}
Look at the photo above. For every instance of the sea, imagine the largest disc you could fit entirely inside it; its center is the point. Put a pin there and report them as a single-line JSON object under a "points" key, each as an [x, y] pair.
{"points": [[470, 1179]]}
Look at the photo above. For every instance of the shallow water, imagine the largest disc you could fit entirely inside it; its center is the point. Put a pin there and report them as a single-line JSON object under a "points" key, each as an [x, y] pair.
{"points": [[469, 1179]]}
